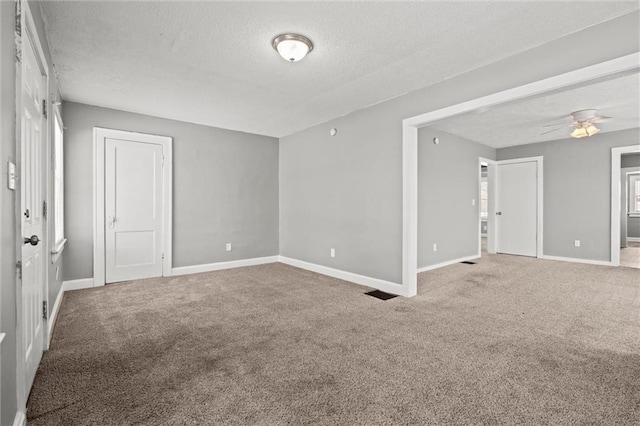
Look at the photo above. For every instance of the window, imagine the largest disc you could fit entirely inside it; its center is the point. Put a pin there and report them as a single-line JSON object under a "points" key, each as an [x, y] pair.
{"points": [[484, 197], [58, 185], [634, 193]]}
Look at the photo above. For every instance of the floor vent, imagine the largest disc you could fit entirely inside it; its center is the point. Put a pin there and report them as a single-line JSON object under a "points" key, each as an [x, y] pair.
{"points": [[467, 262], [380, 295]]}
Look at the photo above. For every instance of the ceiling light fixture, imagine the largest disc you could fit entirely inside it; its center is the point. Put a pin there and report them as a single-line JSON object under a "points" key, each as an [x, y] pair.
{"points": [[584, 131], [292, 47]]}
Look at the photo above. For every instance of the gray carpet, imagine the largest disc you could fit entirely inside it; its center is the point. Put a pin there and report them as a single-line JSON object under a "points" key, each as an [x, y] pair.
{"points": [[509, 340]]}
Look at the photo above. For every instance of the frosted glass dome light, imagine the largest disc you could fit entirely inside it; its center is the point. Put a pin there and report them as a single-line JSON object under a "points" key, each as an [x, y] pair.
{"points": [[292, 47]]}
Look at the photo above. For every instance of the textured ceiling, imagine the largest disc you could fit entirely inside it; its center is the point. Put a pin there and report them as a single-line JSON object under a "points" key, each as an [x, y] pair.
{"points": [[213, 64], [522, 122]]}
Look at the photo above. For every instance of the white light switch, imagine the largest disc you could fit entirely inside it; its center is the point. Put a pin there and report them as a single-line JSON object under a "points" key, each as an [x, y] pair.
{"points": [[473, 202], [435, 247], [228, 246], [333, 252], [11, 171]]}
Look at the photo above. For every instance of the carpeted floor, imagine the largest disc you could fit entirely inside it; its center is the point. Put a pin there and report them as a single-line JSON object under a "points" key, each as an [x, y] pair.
{"points": [[508, 340], [630, 256]]}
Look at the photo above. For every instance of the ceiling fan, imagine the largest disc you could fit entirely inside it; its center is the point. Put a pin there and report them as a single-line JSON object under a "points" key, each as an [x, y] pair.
{"points": [[583, 123]]}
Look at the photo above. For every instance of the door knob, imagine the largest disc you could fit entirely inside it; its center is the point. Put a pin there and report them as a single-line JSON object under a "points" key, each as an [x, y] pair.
{"points": [[26, 214], [34, 240], [111, 220], [498, 213]]}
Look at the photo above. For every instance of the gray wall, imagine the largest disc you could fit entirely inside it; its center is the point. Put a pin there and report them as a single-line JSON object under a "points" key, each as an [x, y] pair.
{"points": [[346, 191], [225, 188], [633, 227], [630, 160], [8, 228], [447, 182], [577, 192]]}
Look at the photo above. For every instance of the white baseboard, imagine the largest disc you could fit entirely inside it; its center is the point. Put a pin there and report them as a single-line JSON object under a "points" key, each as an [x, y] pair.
{"points": [[576, 260], [54, 312], [386, 286], [448, 262], [196, 269], [633, 239], [20, 419], [77, 284]]}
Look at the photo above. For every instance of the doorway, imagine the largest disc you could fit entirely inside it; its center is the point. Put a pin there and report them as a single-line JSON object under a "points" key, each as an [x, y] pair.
{"points": [[619, 207], [630, 210], [132, 178]]}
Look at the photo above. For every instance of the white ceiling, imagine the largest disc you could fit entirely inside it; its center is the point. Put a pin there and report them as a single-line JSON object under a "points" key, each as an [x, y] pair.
{"points": [[212, 63], [522, 122]]}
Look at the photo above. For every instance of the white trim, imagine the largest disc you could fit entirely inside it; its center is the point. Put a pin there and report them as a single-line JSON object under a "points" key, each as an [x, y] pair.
{"points": [[409, 209], [576, 260], [20, 419], [376, 283], [99, 135], [633, 239], [79, 284], [197, 269], [57, 251], [53, 315], [2, 335], [448, 263], [616, 158], [410, 142]]}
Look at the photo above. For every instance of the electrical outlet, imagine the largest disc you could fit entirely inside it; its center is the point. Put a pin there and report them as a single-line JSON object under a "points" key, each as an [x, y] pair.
{"points": [[473, 201], [576, 243], [435, 247], [228, 246], [333, 252]]}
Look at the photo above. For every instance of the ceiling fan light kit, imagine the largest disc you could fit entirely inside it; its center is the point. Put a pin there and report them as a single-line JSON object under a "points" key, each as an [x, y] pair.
{"points": [[584, 131], [292, 47]]}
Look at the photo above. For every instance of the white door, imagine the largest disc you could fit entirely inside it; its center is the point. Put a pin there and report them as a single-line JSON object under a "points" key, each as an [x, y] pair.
{"points": [[133, 209], [31, 207], [517, 208]]}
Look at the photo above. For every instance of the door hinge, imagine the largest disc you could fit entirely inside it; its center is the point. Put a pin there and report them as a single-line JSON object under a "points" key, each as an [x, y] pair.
{"points": [[163, 161], [19, 269], [45, 312], [44, 108], [44, 209], [162, 256]]}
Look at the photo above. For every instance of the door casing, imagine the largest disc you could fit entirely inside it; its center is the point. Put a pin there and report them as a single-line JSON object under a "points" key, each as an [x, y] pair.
{"points": [[99, 136]]}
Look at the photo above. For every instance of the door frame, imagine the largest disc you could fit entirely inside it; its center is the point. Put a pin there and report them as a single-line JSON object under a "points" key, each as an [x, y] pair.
{"points": [[26, 31], [410, 126], [539, 198], [99, 135], [616, 158], [491, 205]]}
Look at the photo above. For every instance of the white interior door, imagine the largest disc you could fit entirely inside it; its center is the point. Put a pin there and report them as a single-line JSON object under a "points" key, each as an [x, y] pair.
{"points": [[31, 205], [517, 208], [133, 209]]}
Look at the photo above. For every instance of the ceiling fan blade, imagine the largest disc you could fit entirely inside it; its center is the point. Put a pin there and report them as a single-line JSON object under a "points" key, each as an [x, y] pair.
{"points": [[551, 131], [557, 125], [602, 119]]}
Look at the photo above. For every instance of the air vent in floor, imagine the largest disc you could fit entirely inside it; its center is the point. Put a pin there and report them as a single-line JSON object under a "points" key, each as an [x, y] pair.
{"points": [[380, 295]]}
